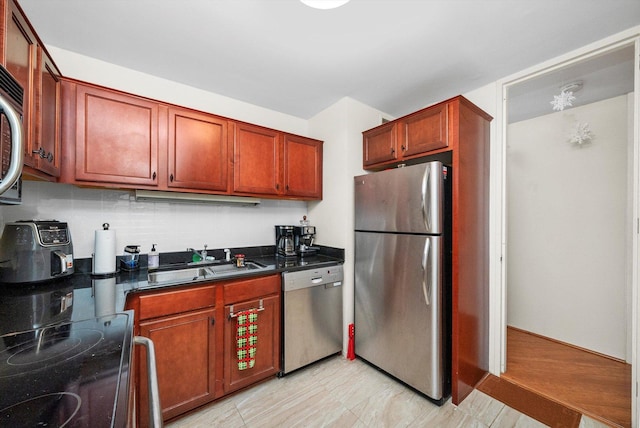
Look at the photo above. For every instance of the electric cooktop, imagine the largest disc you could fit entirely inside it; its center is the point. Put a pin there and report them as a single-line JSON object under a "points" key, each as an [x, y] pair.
{"points": [[65, 372]]}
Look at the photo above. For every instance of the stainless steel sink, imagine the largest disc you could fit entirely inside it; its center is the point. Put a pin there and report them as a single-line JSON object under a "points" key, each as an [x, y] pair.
{"points": [[183, 276]]}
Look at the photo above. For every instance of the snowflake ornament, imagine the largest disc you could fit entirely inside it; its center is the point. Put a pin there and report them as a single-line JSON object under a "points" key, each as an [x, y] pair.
{"points": [[581, 134], [565, 99]]}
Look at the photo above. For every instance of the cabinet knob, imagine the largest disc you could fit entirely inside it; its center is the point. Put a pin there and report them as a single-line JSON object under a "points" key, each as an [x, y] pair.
{"points": [[50, 157], [393, 150], [277, 186], [403, 148], [154, 175], [171, 178]]}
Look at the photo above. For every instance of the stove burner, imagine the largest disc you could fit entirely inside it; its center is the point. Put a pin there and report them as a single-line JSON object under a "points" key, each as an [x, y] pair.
{"points": [[60, 407], [49, 347]]}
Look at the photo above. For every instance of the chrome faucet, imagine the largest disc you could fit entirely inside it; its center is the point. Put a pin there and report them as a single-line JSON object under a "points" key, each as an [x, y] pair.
{"points": [[201, 256]]}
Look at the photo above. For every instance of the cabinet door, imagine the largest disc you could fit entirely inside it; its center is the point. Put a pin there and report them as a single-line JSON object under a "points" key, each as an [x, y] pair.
{"points": [[116, 137], [303, 167], [197, 150], [424, 131], [185, 361], [380, 144], [256, 160], [20, 60], [267, 357], [48, 130]]}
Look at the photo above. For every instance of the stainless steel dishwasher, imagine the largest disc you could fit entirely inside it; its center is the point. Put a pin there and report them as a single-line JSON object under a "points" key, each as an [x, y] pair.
{"points": [[312, 316]]}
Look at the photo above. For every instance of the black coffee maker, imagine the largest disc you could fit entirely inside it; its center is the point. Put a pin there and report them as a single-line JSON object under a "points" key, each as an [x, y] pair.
{"points": [[285, 243], [303, 240]]}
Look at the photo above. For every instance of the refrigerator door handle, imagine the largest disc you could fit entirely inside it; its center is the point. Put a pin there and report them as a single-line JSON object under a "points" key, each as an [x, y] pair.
{"points": [[426, 205], [426, 277]]}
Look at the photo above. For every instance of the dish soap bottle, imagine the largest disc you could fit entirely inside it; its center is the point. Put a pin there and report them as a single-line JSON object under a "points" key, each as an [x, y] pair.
{"points": [[153, 260]]}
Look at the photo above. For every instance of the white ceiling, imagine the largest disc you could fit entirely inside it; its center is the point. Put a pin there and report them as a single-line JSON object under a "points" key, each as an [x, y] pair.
{"points": [[394, 55]]}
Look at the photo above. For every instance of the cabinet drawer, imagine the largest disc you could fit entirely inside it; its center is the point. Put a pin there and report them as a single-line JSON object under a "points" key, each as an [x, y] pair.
{"points": [[239, 291], [177, 301]]}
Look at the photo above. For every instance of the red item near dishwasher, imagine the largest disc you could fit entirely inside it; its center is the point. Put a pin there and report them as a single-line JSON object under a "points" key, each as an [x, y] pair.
{"points": [[351, 354]]}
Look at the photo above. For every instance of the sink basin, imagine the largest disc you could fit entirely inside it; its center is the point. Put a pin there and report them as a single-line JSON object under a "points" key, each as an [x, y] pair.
{"points": [[178, 276]]}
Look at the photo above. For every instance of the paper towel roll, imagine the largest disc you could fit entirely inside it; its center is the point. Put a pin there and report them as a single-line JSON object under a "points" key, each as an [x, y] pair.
{"points": [[104, 255]]}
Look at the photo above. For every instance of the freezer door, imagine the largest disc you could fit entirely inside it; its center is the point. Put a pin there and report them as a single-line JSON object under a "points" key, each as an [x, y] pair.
{"points": [[408, 200], [399, 307]]}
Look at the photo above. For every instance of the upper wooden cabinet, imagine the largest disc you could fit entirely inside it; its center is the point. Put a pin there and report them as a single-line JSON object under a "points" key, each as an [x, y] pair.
{"points": [[197, 151], [407, 138], [269, 162], [256, 160], [380, 144], [115, 135], [47, 146], [24, 56], [302, 167], [114, 139]]}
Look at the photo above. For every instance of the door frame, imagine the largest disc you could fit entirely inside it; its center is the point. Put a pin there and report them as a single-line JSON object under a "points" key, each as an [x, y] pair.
{"points": [[498, 246]]}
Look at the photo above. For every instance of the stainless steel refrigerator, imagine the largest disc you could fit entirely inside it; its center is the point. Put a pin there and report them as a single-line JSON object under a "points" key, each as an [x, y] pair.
{"points": [[403, 275]]}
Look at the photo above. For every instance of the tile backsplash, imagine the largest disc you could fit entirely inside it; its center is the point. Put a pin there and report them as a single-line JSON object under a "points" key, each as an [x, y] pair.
{"points": [[173, 226]]}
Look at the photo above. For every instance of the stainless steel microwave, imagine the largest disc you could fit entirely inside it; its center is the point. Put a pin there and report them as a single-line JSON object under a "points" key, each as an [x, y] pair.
{"points": [[11, 139]]}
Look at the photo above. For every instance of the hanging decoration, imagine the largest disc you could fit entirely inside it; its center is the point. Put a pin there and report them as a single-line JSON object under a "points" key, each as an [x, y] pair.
{"points": [[566, 97], [581, 134]]}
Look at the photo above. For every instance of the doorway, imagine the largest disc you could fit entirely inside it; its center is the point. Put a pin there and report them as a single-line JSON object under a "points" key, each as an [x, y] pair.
{"points": [[569, 225]]}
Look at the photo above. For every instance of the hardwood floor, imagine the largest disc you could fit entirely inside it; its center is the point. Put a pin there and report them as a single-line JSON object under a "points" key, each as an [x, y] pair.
{"points": [[589, 383]]}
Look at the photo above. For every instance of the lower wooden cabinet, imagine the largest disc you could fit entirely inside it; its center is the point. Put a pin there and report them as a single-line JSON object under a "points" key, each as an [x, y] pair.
{"points": [[185, 360], [267, 355], [194, 334]]}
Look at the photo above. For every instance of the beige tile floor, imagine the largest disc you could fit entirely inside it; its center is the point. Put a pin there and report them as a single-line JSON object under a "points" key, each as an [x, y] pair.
{"points": [[343, 394]]}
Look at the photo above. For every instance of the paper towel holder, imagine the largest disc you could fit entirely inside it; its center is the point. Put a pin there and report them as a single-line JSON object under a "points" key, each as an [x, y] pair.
{"points": [[104, 256]]}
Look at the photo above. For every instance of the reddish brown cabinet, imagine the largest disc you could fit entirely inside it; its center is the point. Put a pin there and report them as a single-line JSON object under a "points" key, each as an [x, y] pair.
{"points": [[197, 151], [115, 136], [409, 137], [262, 294], [456, 132], [302, 167], [193, 329], [182, 325], [24, 56], [380, 145], [47, 145], [273, 163], [256, 159]]}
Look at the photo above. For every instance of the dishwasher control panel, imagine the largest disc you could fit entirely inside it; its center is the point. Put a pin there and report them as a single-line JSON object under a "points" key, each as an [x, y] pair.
{"points": [[329, 276]]}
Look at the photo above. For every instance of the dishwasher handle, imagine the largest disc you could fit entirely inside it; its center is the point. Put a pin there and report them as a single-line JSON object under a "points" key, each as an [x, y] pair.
{"points": [[155, 410]]}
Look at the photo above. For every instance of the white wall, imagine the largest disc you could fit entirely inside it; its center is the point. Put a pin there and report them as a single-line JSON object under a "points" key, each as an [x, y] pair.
{"points": [[173, 226], [567, 217], [341, 126], [76, 66]]}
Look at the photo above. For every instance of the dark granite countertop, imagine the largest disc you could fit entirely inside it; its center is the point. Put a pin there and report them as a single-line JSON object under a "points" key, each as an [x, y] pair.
{"points": [[57, 315]]}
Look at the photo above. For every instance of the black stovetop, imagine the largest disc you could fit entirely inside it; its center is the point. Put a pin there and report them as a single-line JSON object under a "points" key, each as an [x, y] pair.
{"points": [[59, 366]]}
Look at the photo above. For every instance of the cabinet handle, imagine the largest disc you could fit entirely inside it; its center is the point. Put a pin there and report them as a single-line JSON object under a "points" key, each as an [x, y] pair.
{"points": [[277, 186], [403, 148], [40, 152], [234, 315], [171, 178], [154, 175], [393, 150], [213, 321]]}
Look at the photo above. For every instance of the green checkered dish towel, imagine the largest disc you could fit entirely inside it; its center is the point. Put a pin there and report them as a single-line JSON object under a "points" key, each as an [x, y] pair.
{"points": [[247, 338]]}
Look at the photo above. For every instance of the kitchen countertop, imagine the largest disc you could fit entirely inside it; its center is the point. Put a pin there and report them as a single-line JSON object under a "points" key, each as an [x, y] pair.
{"points": [[61, 314]]}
